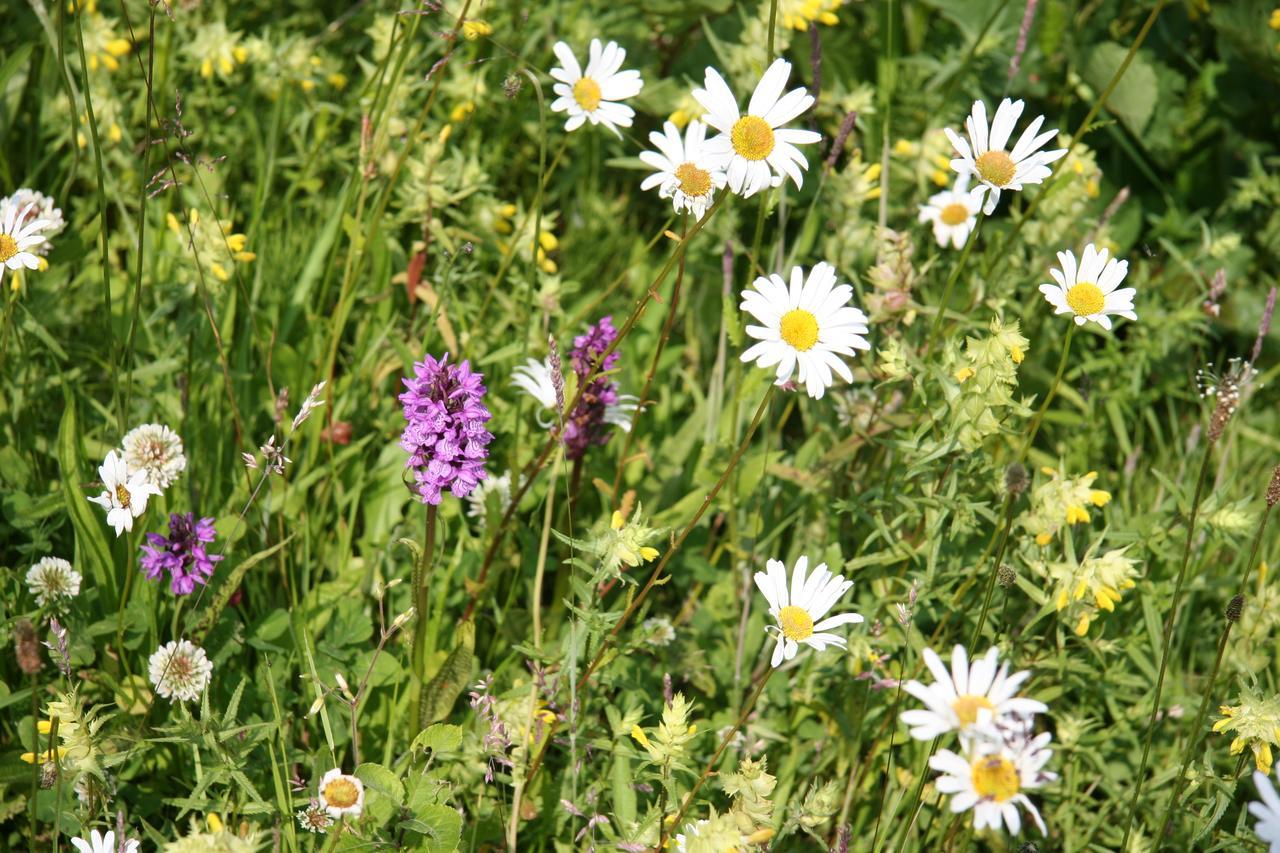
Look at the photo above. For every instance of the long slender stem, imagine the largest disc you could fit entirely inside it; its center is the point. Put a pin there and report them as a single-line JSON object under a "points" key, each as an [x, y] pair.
{"points": [[724, 743], [951, 280], [994, 571], [1167, 641], [1197, 730], [1048, 398], [421, 590]]}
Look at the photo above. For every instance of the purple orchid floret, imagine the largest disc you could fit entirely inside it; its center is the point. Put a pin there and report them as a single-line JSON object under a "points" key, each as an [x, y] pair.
{"points": [[445, 433], [586, 424], [182, 553]]}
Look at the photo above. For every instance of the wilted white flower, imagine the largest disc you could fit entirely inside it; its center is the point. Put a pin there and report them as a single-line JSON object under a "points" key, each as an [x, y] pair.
{"points": [[155, 450], [180, 670], [53, 578], [314, 818]]}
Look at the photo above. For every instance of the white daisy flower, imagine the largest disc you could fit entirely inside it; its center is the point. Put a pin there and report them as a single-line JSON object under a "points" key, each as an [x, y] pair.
{"points": [[991, 777], [534, 378], [53, 578], [39, 207], [619, 413], [756, 149], [478, 498], [593, 94], [799, 610], [953, 213], [98, 843], [155, 450], [180, 670], [809, 325], [18, 235], [1089, 292], [968, 697], [687, 172], [341, 794], [989, 162], [1267, 812], [125, 497]]}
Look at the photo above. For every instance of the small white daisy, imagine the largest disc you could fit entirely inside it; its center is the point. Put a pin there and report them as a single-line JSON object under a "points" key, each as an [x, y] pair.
{"points": [[756, 149], [18, 235], [53, 578], [687, 172], [341, 794], [990, 778], [953, 213], [180, 670], [593, 94], [809, 325], [1267, 812], [968, 697], [125, 497], [98, 843], [1089, 292], [989, 162], [799, 610], [155, 450], [39, 207]]}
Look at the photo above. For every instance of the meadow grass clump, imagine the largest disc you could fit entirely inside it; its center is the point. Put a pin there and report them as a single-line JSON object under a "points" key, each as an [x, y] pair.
{"points": [[778, 425]]}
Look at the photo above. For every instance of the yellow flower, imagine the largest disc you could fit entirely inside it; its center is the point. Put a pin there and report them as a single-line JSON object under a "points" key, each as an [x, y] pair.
{"points": [[640, 737], [1094, 584], [964, 373], [905, 148], [459, 114], [940, 178], [44, 757], [472, 30], [1061, 502], [1274, 21], [799, 14], [218, 49], [214, 822], [1256, 724]]}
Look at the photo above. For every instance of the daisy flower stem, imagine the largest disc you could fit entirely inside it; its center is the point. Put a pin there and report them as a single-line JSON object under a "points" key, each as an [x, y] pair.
{"points": [[1048, 398], [1194, 739], [773, 25], [994, 571], [1167, 641], [421, 588], [724, 743], [609, 638], [653, 368], [951, 281]]}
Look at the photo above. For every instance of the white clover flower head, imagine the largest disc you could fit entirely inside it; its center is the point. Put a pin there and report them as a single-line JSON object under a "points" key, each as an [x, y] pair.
{"points": [[991, 776], [341, 794], [808, 325], [1088, 291], [595, 93], [798, 610], [180, 671], [19, 235], [984, 156], [98, 843], [953, 213], [756, 149], [157, 451], [314, 818], [125, 492], [967, 697], [658, 631], [52, 579], [686, 169], [1267, 812]]}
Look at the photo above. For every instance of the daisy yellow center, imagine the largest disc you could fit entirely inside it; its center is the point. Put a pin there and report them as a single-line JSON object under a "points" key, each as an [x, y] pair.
{"points": [[996, 167], [1085, 298], [752, 138], [693, 181], [799, 328], [954, 214], [587, 93], [995, 778], [341, 793], [8, 247], [796, 623], [123, 497], [968, 706]]}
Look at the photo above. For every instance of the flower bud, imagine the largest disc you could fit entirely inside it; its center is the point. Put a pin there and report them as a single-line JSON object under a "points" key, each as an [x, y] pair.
{"points": [[1235, 607]]}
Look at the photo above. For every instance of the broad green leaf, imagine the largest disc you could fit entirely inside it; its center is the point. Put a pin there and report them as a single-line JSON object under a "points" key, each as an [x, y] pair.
{"points": [[443, 689]]}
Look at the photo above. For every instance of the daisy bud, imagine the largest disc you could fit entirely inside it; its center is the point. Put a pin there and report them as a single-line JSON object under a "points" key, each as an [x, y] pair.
{"points": [[342, 683], [1235, 607], [1273, 490], [315, 706]]}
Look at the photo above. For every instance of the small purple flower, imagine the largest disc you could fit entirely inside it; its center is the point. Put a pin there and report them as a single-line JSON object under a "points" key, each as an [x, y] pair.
{"points": [[587, 424], [182, 554], [445, 435]]}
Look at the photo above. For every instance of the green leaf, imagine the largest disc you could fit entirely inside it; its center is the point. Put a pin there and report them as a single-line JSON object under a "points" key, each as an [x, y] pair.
{"points": [[1134, 98], [442, 826], [382, 780], [92, 549], [230, 584], [443, 690], [439, 737]]}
